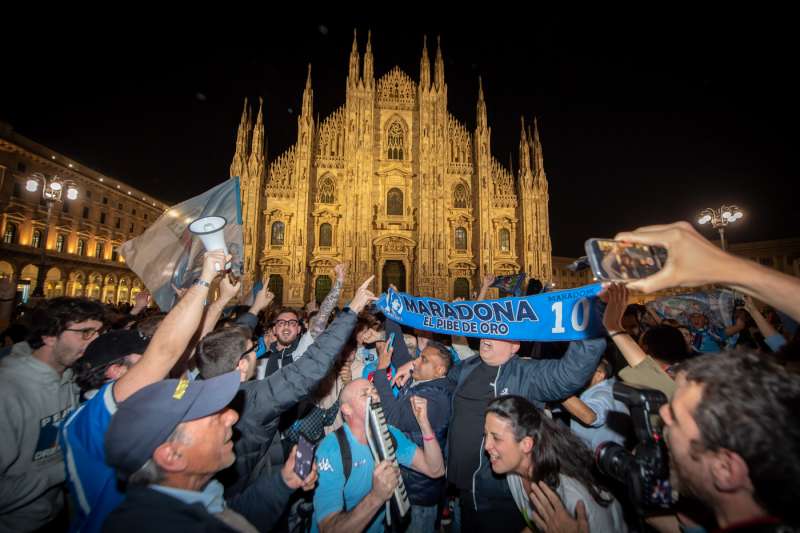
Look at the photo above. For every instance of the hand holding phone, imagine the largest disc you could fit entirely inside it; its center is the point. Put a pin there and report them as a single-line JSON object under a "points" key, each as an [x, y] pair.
{"points": [[390, 341], [624, 261], [304, 457]]}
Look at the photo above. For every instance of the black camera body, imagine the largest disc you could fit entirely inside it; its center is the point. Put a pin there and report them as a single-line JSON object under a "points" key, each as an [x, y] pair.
{"points": [[645, 472]]}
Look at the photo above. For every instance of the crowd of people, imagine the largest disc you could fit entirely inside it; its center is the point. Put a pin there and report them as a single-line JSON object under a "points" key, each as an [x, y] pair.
{"points": [[135, 419]]}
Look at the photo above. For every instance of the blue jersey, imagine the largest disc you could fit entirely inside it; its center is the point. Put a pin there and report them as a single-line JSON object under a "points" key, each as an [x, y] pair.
{"points": [[92, 483], [333, 495]]}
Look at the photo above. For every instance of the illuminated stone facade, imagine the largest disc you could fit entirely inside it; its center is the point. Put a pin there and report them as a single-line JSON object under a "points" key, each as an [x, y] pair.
{"points": [[72, 247], [393, 184]]}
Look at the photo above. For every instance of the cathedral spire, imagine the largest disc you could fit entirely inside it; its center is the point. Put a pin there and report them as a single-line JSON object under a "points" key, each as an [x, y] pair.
{"points": [[481, 108], [242, 142], [352, 76], [439, 67], [368, 62], [255, 162], [308, 96], [538, 156], [425, 66], [524, 151]]}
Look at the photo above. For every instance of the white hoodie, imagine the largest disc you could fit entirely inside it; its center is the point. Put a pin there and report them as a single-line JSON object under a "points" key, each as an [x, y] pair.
{"points": [[34, 400]]}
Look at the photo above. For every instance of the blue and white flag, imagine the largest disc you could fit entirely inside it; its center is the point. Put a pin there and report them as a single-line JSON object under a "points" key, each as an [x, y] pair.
{"points": [[168, 254], [566, 315]]}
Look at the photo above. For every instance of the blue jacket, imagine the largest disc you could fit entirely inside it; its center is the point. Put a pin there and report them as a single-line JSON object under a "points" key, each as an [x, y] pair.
{"points": [[538, 380], [421, 489]]}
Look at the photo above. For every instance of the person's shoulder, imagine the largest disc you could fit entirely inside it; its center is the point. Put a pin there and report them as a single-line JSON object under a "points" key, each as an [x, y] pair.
{"points": [[328, 445]]}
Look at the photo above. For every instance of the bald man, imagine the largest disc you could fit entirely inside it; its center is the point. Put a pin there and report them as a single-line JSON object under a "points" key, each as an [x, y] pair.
{"points": [[357, 503]]}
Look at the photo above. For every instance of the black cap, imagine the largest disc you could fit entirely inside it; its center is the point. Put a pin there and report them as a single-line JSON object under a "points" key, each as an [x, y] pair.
{"points": [[110, 347], [144, 421]]}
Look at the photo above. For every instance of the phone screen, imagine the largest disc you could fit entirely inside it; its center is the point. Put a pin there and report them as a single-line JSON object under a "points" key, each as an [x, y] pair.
{"points": [[623, 261], [304, 457], [390, 341]]}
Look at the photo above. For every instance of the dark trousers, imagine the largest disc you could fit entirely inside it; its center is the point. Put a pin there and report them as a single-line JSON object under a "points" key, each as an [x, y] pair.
{"points": [[501, 518]]}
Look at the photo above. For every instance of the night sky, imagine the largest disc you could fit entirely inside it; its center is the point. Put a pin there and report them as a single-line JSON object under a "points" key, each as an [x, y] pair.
{"points": [[644, 118]]}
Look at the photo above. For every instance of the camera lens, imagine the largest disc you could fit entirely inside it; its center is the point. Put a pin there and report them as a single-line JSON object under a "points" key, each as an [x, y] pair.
{"points": [[615, 461]]}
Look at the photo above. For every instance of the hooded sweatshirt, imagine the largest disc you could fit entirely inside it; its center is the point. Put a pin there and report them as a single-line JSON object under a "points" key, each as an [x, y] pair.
{"points": [[34, 400]]}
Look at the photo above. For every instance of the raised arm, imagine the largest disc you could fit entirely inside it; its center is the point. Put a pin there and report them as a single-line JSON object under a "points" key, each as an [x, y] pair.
{"points": [[488, 279], [617, 297], [325, 309], [227, 291], [172, 336], [693, 261], [551, 380], [429, 460]]}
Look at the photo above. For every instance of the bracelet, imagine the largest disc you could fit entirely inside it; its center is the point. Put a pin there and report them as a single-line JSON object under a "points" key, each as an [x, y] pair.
{"points": [[621, 332], [202, 282], [428, 437]]}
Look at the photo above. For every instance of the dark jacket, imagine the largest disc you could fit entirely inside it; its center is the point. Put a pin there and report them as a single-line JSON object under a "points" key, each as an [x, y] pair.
{"points": [[264, 401], [538, 380], [421, 489], [145, 509], [278, 358]]}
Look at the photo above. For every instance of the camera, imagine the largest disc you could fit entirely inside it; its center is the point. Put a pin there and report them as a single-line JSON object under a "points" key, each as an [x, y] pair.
{"points": [[645, 472]]}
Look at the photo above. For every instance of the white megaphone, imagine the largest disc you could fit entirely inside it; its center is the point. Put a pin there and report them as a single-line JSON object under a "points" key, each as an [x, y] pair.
{"points": [[209, 229]]}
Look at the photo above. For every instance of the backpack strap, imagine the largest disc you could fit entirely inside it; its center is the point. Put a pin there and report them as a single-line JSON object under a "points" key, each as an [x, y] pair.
{"points": [[344, 449]]}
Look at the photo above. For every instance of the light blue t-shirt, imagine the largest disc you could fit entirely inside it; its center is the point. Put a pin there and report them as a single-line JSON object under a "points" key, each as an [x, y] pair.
{"points": [[91, 482], [332, 495], [612, 415]]}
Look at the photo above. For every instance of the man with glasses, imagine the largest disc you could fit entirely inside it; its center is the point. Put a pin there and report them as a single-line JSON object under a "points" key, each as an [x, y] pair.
{"points": [[38, 393], [286, 329]]}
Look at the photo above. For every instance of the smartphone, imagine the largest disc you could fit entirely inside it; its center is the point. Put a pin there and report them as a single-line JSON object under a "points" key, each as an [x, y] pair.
{"points": [[390, 341], [304, 457], [624, 261]]}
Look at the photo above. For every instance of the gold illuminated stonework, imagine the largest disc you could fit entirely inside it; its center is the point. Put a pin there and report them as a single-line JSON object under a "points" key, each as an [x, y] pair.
{"points": [[395, 185]]}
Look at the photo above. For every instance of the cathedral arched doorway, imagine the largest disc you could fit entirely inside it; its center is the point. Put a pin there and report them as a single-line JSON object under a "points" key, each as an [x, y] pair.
{"points": [[321, 288], [394, 273], [461, 288], [275, 286]]}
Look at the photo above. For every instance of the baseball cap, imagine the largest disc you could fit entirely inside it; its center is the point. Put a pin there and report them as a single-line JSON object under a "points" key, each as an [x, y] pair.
{"points": [[111, 346], [144, 421]]}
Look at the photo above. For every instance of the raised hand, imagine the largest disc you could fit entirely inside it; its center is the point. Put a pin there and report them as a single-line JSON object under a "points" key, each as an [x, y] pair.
{"points": [[616, 296], [385, 478], [363, 296], [341, 271], [420, 407]]}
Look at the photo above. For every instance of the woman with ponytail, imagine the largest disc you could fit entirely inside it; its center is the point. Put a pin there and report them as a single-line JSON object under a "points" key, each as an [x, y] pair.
{"points": [[530, 448]]}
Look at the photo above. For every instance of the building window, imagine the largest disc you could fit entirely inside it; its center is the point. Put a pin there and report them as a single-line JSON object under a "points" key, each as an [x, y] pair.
{"points": [[115, 253], [326, 235], [321, 288], [65, 207], [85, 212], [98, 250], [395, 141], [461, 239], [505, 240], [10, 235], [461, 288], [275, 286], [118, 223], [394, 202], [36, 239], [327, 191], [88, 194], [133, 212], [145, 216], [119, 206], [80, 249], [277, 234], [17, 190], [132, 228], [102, 218], [60, 243], [460, 198], [105, 200]]}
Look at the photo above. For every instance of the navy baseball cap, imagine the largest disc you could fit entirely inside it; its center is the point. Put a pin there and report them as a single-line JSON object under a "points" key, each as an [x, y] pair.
{"points": [[111, 346], [144, 421]]}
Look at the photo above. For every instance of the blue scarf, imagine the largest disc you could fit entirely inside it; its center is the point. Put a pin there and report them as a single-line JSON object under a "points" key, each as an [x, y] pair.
{"points": [[566, 315]]}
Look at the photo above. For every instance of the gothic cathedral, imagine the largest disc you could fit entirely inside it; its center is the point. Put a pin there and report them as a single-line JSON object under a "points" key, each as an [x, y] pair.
{"points": [[393, 184]]}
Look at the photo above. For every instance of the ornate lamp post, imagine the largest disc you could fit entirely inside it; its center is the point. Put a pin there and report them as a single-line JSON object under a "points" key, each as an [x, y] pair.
{"points": [[720, 218], [53, 190]]}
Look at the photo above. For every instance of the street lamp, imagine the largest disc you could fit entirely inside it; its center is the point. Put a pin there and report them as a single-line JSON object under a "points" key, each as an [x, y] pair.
{"points": [[52, 191], [720, 218]]}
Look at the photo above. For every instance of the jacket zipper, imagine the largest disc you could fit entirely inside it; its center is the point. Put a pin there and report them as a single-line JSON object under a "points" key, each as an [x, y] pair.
{"points": [[480, 457]]}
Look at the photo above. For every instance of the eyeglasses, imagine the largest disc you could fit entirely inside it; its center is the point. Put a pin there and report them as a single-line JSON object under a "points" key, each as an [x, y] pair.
{"points": [[246, 352], [86, 333], [292, 323]]}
